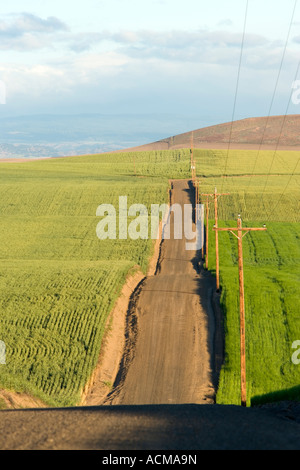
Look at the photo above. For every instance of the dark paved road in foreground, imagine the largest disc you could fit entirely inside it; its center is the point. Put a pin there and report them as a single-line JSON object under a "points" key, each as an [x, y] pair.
{"points": [[152, 427]]}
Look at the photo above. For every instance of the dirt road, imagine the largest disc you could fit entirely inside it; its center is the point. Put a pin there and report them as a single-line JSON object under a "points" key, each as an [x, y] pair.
{"points": [[169, 354]]}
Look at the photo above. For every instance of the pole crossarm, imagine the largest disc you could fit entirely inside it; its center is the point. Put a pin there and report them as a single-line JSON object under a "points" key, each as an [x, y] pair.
{"points": [[215, 194], [241, 230], [231, 229]]}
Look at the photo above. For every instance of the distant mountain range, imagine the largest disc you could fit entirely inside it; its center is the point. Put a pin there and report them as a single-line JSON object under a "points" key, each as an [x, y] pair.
{"points": [[65, 149], [275, 132]]}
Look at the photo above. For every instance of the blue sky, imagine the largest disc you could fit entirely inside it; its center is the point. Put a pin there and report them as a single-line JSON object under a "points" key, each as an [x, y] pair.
{"points": [[147, 56]]}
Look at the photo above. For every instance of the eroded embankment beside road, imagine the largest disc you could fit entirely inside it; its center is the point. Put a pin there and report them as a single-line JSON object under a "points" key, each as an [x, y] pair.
{"points": [[119, 335]]}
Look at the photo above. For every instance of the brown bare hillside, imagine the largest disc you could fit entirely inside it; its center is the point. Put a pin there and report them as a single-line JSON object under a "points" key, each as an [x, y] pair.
{"points": [[280, 132]]}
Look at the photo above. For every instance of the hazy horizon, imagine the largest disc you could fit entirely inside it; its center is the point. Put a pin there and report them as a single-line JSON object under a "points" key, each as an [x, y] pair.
{"points": [[59, 135], [63, 135]]}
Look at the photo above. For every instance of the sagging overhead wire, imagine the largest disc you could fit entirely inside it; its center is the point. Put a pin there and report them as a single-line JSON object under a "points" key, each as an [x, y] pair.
{"points": [[286, 187], [274, 92], [237, 87], [270, 213]]}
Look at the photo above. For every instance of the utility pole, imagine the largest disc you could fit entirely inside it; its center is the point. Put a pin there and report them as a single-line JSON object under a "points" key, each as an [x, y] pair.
{"points": [[193, 168], [206, 234], [193, 163], [240, 235], [194, 177], [196, 184], [202, 226], [196, 199], [215, 195], [169, 191], [199, 212]]}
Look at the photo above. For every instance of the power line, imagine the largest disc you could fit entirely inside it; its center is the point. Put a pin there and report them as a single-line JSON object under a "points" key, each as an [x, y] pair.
{"points": [[270, 108], [277, 145], [275, 89], [271, 104], [237, 86], [283, 192]]}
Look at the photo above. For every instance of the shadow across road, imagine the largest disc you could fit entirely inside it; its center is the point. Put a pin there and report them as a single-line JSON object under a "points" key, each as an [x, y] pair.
{"points": [[152, 427]]}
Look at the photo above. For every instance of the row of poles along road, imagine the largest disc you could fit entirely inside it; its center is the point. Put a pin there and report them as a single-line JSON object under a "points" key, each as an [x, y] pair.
{"points": [[239, 232]]}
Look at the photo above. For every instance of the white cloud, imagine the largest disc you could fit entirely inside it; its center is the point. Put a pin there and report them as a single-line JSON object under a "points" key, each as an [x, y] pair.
{"points": [[27, 32], [103, 66], [27, 22], [225, 22]]}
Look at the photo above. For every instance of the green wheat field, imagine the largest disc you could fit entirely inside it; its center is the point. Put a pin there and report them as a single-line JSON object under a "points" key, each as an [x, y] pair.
{"points": [[59, 282]]}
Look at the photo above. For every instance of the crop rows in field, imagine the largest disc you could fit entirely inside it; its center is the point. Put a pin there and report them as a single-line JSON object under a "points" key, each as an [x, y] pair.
{"points": [[58, 281], [271, 270], [53, 320], [262, 186]]}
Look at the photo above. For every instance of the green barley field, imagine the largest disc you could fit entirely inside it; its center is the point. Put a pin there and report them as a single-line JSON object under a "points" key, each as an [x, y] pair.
{"points": [[59, 282], [263, 187]]}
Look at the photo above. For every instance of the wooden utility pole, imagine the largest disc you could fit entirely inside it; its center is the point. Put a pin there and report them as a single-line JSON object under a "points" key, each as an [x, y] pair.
{"points": [[202, 230], [198, 210], [199, 213], [193, 163], [196, 199], [196, 184], [240, 235], [169, 191], [206, 233], [193, 168], [194, 177], [215, 195], [206, 240]]}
